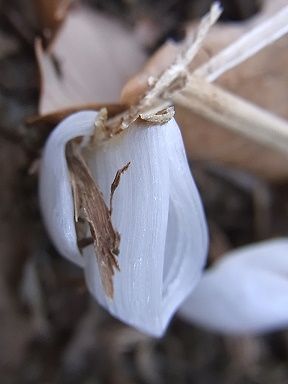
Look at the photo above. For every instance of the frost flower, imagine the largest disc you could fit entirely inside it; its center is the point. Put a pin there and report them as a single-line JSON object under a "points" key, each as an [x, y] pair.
{"points": [[156, 210], [245, 292]]}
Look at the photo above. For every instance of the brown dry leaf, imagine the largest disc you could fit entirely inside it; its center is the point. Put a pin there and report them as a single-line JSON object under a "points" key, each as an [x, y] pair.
{"points": [[54, 118], [50, 14], [262, 80], [89, 61], [90, 207]]}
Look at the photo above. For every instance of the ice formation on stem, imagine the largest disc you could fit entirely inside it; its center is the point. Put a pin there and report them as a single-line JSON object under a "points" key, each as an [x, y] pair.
{"points": [[156, 210], [158, 214]]}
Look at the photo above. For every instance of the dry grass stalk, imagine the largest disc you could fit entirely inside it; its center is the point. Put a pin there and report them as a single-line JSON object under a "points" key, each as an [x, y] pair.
{"points": [[177, 85], [246, 46], [157, 99], [234, 113]]}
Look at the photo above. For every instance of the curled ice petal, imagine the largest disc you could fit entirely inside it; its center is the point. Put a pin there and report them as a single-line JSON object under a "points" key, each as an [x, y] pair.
{"points": [[55, 192], [245, 292], [156, 210], [186, 238]]}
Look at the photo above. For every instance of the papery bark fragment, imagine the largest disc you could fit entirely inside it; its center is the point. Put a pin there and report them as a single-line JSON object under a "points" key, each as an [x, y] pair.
{"points": [[90, 207]]}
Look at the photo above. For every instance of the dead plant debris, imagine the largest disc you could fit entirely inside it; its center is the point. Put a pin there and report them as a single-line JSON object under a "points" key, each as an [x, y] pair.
{"points": [[91, 208]]}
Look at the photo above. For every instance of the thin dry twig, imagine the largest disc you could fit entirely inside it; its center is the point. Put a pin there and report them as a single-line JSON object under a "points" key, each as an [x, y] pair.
{"points": [[177, 85], [234, 113], [173, 79], [246, 46]]}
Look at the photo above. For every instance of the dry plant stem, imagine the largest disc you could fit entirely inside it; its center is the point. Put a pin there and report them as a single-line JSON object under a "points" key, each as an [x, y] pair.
{"points": [[172, 79], [180, 67], [248, 45], [234, 113], [195, 92]]}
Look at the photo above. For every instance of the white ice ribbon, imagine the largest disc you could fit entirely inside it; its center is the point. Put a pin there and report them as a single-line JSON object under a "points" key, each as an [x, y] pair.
{"points": [[245, 292], [156, 209]]}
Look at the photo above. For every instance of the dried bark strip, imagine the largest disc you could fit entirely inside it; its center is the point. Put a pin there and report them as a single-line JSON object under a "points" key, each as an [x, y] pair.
{"points": [[50, 15], [91, 208], [116, 182]]}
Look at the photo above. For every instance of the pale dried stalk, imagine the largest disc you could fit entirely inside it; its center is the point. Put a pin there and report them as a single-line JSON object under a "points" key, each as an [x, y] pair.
{"points": [[182, 62], [189, 90], [174, 78], [234, 113], [229, 110], [246, 46]]}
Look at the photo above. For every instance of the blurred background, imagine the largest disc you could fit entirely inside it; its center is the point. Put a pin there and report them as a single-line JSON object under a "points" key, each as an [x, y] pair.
{"points": [[51, 330]]}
